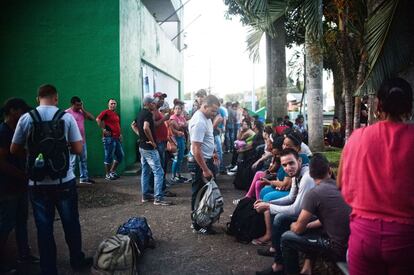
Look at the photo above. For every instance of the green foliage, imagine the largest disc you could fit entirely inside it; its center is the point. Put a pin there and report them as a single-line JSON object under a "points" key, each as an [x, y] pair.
{"points": [[260, 16], [389, 39]]}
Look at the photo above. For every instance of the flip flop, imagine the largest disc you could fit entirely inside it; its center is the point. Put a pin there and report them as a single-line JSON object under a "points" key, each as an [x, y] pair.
{"points": [[260, 243]]}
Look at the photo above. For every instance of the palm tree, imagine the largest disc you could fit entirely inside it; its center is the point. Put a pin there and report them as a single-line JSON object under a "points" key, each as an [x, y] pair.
{"points": [[371, 45], [314, 67]]}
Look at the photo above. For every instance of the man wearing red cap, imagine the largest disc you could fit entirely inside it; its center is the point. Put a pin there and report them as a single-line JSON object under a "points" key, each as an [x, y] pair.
{"points": [[161, 136]]}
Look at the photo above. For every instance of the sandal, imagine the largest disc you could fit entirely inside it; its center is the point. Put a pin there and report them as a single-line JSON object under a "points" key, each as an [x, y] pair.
{"points": [[261, 243]]}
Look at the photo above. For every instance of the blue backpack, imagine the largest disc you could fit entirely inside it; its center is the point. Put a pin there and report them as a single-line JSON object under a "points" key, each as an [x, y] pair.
{"points": [[140, 230]]}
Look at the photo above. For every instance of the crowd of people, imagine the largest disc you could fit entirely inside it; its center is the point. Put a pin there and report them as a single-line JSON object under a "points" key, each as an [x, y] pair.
{"points": [[305, 209]]}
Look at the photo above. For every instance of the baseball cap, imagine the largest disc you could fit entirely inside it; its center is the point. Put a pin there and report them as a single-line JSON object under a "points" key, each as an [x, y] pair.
{"points": [[159, 94], [149, 99]]}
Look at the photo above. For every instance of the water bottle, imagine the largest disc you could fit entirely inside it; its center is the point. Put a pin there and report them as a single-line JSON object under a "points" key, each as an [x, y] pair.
{"points": [[39, 161]]}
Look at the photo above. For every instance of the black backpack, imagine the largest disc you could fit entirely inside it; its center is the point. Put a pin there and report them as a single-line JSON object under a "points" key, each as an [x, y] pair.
{"points": [[48, 151], [246, 224]]}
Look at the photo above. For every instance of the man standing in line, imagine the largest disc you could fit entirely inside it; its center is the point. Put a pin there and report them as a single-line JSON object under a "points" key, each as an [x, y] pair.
{"points": [[49, 194], [202, 166], [161, 136], [13, 188], [108, 121], [150, 158], [79, 114]]}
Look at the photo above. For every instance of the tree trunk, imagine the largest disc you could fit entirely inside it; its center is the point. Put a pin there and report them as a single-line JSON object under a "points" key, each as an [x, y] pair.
{"points": [[278, 70], [360, 80], [371, 118], [314, 65], [347, 62], [357, 112], [268, 78], [338, 98]]}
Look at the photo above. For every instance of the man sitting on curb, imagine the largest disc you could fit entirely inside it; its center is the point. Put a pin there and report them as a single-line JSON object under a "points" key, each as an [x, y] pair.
{"points": [[285, 209], [326, 203]]}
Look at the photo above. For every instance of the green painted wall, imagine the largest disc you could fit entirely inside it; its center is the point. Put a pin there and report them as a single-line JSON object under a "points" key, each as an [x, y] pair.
{"points": [[71, 44], [92, 49], [130, 66]]}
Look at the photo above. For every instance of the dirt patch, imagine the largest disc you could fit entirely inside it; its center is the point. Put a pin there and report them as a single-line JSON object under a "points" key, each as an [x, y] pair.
{"points": [[91, 197]]}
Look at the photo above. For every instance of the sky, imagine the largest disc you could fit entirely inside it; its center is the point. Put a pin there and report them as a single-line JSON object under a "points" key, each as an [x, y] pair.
{"points": [[216, 53]]}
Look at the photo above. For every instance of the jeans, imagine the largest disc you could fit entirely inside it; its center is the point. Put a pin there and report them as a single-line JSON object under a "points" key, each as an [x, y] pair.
{"points": [[83, 164], [112, 147], [235, 130], [312, 243], [217, 143], [161, 148], [197, 179], [44, 202], [380, 247], [229, 138], [281, 224], [176, 166], [150, 162], [269, 193], [13, 214]]}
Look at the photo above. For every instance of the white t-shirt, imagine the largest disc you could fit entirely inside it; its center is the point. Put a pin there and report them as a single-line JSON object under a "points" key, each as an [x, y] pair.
{"points": [[304, 149], [201, 130], [46, 113]]}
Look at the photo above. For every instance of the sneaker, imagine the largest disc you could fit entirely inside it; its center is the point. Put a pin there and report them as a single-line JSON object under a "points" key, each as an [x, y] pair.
{"points": [[229, 173], [176, 180], [236, 201], [108, 177], [234, 169], [206, 231], [114, 175], [87, 181], [147, 200], [83, 264], [29, 259], [162, 202], [169, 194]]}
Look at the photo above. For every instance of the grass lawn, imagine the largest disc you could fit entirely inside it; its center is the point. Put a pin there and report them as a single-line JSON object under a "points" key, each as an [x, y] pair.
{"points": [[333, 155]]}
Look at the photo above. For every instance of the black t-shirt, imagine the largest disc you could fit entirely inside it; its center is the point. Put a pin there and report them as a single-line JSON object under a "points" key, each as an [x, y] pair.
{"points": [[8, 184], [325, 201], [145, 115]]}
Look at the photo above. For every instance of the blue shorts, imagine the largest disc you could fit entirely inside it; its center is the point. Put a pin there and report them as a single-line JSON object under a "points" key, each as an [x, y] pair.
{"points": [[113, 150]]}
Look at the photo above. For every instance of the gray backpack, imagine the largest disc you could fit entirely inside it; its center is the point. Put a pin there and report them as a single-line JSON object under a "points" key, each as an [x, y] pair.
{"points": [[208, 205], [116, 255]]}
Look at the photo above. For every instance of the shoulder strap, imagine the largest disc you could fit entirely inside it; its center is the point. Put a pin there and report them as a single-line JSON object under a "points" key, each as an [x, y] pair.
{"points": [[58, 115], [199, 195], [35, 115]]}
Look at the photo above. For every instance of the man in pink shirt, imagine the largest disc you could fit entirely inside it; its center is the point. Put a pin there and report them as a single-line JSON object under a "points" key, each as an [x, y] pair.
{"points": [[79, 113]]}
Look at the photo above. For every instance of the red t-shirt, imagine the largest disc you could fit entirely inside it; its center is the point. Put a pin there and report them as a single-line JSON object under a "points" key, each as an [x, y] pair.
{"points": [[161, 132], [377, 172], [279, 129], [111, 120]]}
